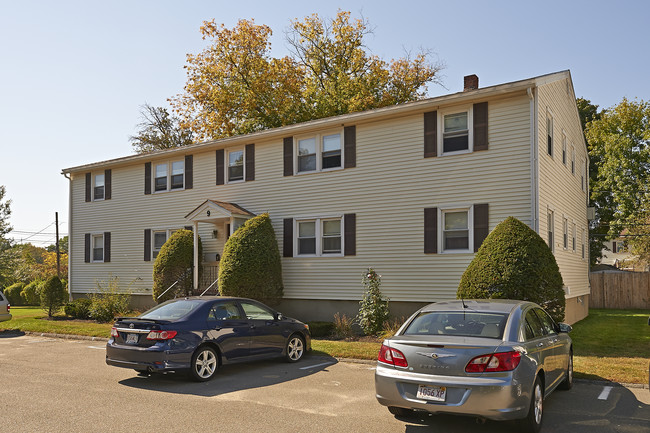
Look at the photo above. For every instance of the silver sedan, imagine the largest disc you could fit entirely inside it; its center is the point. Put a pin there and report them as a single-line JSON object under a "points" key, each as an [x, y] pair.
{"points": [[492, 359]]}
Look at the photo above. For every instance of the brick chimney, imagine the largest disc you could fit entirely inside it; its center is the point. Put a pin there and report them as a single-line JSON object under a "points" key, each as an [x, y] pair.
{"points": [[471, 82]]}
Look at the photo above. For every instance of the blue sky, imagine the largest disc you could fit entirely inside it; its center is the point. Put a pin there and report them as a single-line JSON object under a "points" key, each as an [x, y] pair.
{"points": [[73, 74]]}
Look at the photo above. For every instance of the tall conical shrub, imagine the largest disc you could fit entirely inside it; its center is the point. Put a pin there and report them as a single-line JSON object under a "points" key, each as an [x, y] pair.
{"points": [[514, 262], [175, 262]]}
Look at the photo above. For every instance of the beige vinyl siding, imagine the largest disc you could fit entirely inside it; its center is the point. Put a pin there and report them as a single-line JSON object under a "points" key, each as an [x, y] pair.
{"points": [[388, 191], [559, 189]]}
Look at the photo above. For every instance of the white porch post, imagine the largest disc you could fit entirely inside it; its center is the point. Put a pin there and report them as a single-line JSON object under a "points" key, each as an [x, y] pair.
{"points": [[196, 254]]}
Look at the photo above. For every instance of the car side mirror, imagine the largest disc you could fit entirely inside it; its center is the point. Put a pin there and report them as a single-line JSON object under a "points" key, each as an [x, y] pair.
{"points": [[278, 317], [565, 328]]}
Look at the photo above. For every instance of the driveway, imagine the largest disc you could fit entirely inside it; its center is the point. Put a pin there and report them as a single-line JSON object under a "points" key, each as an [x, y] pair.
{"points": [[56, 385]]}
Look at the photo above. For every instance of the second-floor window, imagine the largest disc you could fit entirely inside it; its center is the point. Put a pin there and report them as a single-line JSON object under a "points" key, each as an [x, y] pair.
{"points": [[169, 176], [319, 152], [549, 134], [235, 165], [455, 132], [99, 187]]}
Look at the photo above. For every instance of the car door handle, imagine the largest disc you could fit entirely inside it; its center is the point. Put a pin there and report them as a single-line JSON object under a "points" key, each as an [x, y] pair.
{"points": [[252, 326], [540, 345]]}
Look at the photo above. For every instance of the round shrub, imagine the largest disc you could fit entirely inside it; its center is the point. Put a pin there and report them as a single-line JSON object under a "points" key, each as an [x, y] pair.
{"points": [[53, 295], [13, 294], [78, 309], [31, 294], [514, 262], [250, 266], [174, 263]]}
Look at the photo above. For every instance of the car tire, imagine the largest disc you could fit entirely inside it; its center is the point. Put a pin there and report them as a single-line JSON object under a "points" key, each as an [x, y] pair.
{"points": [[567, 383], [533, 421], [205, 363], [295, 348], [400, 411]]}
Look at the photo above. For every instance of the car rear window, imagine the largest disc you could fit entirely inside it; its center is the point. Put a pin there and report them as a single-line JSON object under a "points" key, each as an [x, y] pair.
{"points": [[173, 310], [459, 323]]}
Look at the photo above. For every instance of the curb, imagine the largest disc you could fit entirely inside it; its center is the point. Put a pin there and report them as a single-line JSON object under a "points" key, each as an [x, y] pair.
{"points": [[64, 336]]}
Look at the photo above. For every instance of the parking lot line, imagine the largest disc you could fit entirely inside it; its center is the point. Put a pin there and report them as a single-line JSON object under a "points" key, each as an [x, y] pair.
{"points": [[604, 395], [317, 365]]}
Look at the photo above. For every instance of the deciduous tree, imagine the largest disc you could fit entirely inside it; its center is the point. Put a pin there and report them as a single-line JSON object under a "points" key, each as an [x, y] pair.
{"points": [[7, 254], [235, 86], [158, 130]]}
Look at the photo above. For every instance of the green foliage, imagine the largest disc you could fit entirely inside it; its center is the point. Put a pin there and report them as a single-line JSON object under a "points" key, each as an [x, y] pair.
{"points": [[109, 302], [320, 329], [343, 326], [31, 294], [373, 311], [13, 294], [78, 309], [7, 253], [250, 266], [514, 262], [53, 295], [174, 263], [619, 139], [158, 131]]}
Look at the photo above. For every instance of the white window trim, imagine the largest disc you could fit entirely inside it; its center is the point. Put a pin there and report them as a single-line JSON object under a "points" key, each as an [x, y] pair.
{"points": [[94, 185], [573, 160], [169, 176], [469, 208], [574, 236], [93, 236], [469, 109], [319, 235], [168, 233], [565, 154], [549, 116], [318, 137], [565, 232], [550, 211], [228, 152]]}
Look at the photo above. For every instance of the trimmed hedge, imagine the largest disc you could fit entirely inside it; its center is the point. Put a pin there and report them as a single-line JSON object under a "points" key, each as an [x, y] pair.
{"points": [[53, 295], [514, 262], [250, 266], [174, 263], [321, 329], [78, 309], [13, 294], [31, 294]]}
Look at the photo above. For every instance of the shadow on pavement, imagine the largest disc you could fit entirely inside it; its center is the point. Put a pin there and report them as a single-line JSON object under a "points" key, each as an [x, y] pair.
{"points": [[233, 377], [10, 333]]}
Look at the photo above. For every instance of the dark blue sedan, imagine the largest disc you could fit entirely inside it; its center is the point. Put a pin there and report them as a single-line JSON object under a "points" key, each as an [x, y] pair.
{"points": [[200, 334]]}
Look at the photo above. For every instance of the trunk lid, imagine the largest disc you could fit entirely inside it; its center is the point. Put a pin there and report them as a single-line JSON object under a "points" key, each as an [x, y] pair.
{"points": [[133, 331]]}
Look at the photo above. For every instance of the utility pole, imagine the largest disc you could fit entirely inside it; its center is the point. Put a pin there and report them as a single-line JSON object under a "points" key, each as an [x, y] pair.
{"points": [[58, 253]]}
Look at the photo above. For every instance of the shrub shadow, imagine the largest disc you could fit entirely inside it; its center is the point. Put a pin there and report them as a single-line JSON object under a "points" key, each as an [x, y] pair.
{"points": [[233, 377], [11, 333]]}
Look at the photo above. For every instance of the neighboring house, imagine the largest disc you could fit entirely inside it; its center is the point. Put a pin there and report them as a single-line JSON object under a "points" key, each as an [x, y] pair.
{"points": [[410, 190], [616, 253]]}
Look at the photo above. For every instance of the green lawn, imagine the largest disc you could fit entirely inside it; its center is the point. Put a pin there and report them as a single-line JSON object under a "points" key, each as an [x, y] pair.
{"points": [[609, 344]]}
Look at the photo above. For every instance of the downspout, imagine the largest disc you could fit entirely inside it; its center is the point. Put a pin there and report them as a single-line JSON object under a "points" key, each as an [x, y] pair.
{"points": [[196, 254], [69, 236], [534, 169]]}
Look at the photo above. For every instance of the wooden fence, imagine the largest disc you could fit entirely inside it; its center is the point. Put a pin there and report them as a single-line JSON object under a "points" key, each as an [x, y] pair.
{"points": [[620, 290]]}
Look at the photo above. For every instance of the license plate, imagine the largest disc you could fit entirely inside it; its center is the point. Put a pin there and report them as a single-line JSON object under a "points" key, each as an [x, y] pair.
{"points": [[131, 338], [432, 393]]}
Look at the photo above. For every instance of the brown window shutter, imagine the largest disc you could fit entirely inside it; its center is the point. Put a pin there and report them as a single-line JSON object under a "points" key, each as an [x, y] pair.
{"points": [[350, 146], [430, 134], [250, 162], [108, 182], [431, 230], [147, 178], [147, 245], [481, 224], [107, 247], [220, 167], [480, 126], [614, 247], [190, 228], [287, 238], [288, 156], [189, 172], [89, 186], [350, 233], [87, 248]]}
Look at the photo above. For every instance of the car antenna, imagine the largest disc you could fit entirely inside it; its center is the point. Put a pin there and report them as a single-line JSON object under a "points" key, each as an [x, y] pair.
{"points": [[463, 302]]}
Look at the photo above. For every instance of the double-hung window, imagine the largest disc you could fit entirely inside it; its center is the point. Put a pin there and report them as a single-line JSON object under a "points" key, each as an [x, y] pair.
{"points": [[99, 187], [98, 248], [456, 130], [583, 243], [158, 239], [564, 148], [319, 237], [235, 165], [550, 224], [565, 232], [319, 152], [549, 134], [169, 176], [573, 238], [573, 160], [455, 230]]}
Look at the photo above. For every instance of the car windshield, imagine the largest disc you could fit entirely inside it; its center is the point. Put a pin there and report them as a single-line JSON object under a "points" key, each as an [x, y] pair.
{"points": [[173, 310], [458, 323]]}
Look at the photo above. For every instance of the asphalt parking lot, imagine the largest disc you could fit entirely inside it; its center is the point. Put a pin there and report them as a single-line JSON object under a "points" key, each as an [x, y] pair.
{"points": [[57, 385]]}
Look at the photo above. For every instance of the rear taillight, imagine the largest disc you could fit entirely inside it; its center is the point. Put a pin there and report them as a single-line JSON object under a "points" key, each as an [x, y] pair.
{"points": [[114, 332], [504, 361], [8, 308], [391, 356], [161, 335]]}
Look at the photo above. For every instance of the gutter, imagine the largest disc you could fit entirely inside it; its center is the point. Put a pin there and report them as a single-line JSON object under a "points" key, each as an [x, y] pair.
{"points": [[534, 155], [67, 176]]}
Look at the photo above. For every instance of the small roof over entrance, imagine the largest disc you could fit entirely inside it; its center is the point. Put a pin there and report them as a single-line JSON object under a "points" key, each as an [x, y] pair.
{"points": [[210, 210]]}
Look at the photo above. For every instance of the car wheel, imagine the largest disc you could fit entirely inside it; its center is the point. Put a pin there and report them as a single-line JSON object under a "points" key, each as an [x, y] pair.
{"points": [[567, 383], [295, 348], [400, 411], [533, 421], [205, 363]]}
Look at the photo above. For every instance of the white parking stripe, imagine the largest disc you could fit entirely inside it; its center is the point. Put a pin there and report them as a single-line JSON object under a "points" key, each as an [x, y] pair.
{"points": [[605, 394], [97, 347], [317, 365]]}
